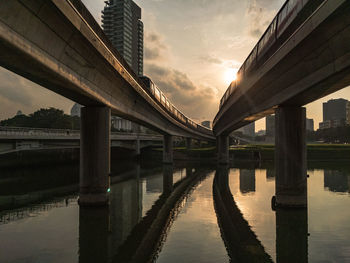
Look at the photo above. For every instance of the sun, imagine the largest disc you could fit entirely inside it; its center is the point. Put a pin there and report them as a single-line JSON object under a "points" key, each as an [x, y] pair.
{"points": [[230, 75]]}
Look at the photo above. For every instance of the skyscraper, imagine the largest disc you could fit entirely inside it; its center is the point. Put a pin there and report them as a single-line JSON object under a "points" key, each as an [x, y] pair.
{"points": [[121, 22], [335, 113], [335, 109]]}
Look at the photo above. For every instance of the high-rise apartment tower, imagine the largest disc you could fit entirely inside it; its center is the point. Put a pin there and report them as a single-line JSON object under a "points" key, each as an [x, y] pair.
{"points": [[121, 22]]}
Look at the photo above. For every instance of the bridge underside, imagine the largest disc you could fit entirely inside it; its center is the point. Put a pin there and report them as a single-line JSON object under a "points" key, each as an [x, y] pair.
{"points": [[53, 45], [313, 63]]}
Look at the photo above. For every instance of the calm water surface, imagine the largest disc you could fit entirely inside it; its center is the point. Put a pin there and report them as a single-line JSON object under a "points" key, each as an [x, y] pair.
{"points": [[168, 214]]}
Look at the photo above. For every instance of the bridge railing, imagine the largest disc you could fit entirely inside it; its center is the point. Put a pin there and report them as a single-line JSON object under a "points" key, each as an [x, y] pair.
{"points": [[288, 19], [46, 132], [13, 131]]}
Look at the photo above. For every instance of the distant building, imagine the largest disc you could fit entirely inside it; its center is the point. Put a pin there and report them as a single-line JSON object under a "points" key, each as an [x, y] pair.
{"points": [[206, 124], [261, 133], [75, 111], [248, 130], [121, 22], [331, 124], [310, 125], [336, 113]]}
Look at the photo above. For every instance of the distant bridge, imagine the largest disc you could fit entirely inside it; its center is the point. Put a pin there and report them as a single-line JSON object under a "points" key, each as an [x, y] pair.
{"points": [[14, 139]]}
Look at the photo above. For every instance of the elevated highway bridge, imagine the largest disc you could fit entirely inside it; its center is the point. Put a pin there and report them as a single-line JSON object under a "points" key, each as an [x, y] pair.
{"points": [[59, 45], [303, 56]]}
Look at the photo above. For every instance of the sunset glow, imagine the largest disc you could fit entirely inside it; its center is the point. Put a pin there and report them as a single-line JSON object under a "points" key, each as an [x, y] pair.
{"points": [[230, 75]]}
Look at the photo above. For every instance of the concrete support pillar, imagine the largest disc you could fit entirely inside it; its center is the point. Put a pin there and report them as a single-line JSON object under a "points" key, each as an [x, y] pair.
{"points": [[94, 156], [223, 149], [168, 154], [188, 143], [290, 157], [291, 235], [199, 143], [168, 178]]}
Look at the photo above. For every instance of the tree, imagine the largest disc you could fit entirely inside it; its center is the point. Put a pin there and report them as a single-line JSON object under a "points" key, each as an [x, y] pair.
{"points": [[44, 118]]}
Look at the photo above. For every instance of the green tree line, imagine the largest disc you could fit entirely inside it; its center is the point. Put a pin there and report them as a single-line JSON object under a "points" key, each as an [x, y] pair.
{"points": [[44, 118]]}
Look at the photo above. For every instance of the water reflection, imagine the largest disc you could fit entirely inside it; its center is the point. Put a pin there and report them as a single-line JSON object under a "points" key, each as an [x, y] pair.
{"points": [[270, 174], [167, 214], [325, 219], [123, 235], [241, 242], [247, 181], [168, 178], [336, 181], [291, 235], [94, 228]]}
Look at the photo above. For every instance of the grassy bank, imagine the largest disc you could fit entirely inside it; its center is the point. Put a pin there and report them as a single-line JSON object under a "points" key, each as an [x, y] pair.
{"points": [[314, 151]]}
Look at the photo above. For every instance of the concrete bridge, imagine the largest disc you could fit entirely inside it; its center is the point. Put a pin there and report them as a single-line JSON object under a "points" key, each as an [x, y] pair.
{"points": [[59, 45], [304, 55], [14, 139]]}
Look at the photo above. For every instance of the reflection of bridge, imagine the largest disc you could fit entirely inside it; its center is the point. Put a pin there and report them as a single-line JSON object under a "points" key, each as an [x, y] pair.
{"points": [[60, 46], [18, 139], [304, 55], [241, 242], [121, 233]]}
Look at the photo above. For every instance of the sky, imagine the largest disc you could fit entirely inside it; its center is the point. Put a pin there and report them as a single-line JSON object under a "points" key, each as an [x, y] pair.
{"points": [[192, 50]]}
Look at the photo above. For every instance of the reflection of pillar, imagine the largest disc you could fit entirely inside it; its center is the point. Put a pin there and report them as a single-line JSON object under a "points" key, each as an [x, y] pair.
{"points": [[168, 149], [188, 171], [270, 174], [291, 235], [246, 181], [223, 178], [290, 157], [188, 143], [137, 147], [94, 155], [167, 179], [93, 234], [139, 191], [125, 209], [223, 149]]}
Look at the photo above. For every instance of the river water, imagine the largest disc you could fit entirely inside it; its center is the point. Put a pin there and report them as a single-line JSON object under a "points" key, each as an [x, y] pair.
{"points": [[174, 214]]}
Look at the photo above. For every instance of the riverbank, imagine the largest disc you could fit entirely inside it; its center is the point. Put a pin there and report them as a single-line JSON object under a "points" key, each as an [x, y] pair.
{"points": [[314, 152]]}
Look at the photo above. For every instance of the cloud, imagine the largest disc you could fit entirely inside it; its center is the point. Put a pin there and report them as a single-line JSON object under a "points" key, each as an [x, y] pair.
{"points": [[210, 59], [13, 88], [18, 93], [197, 102], [259, 15], [155, 47]]}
